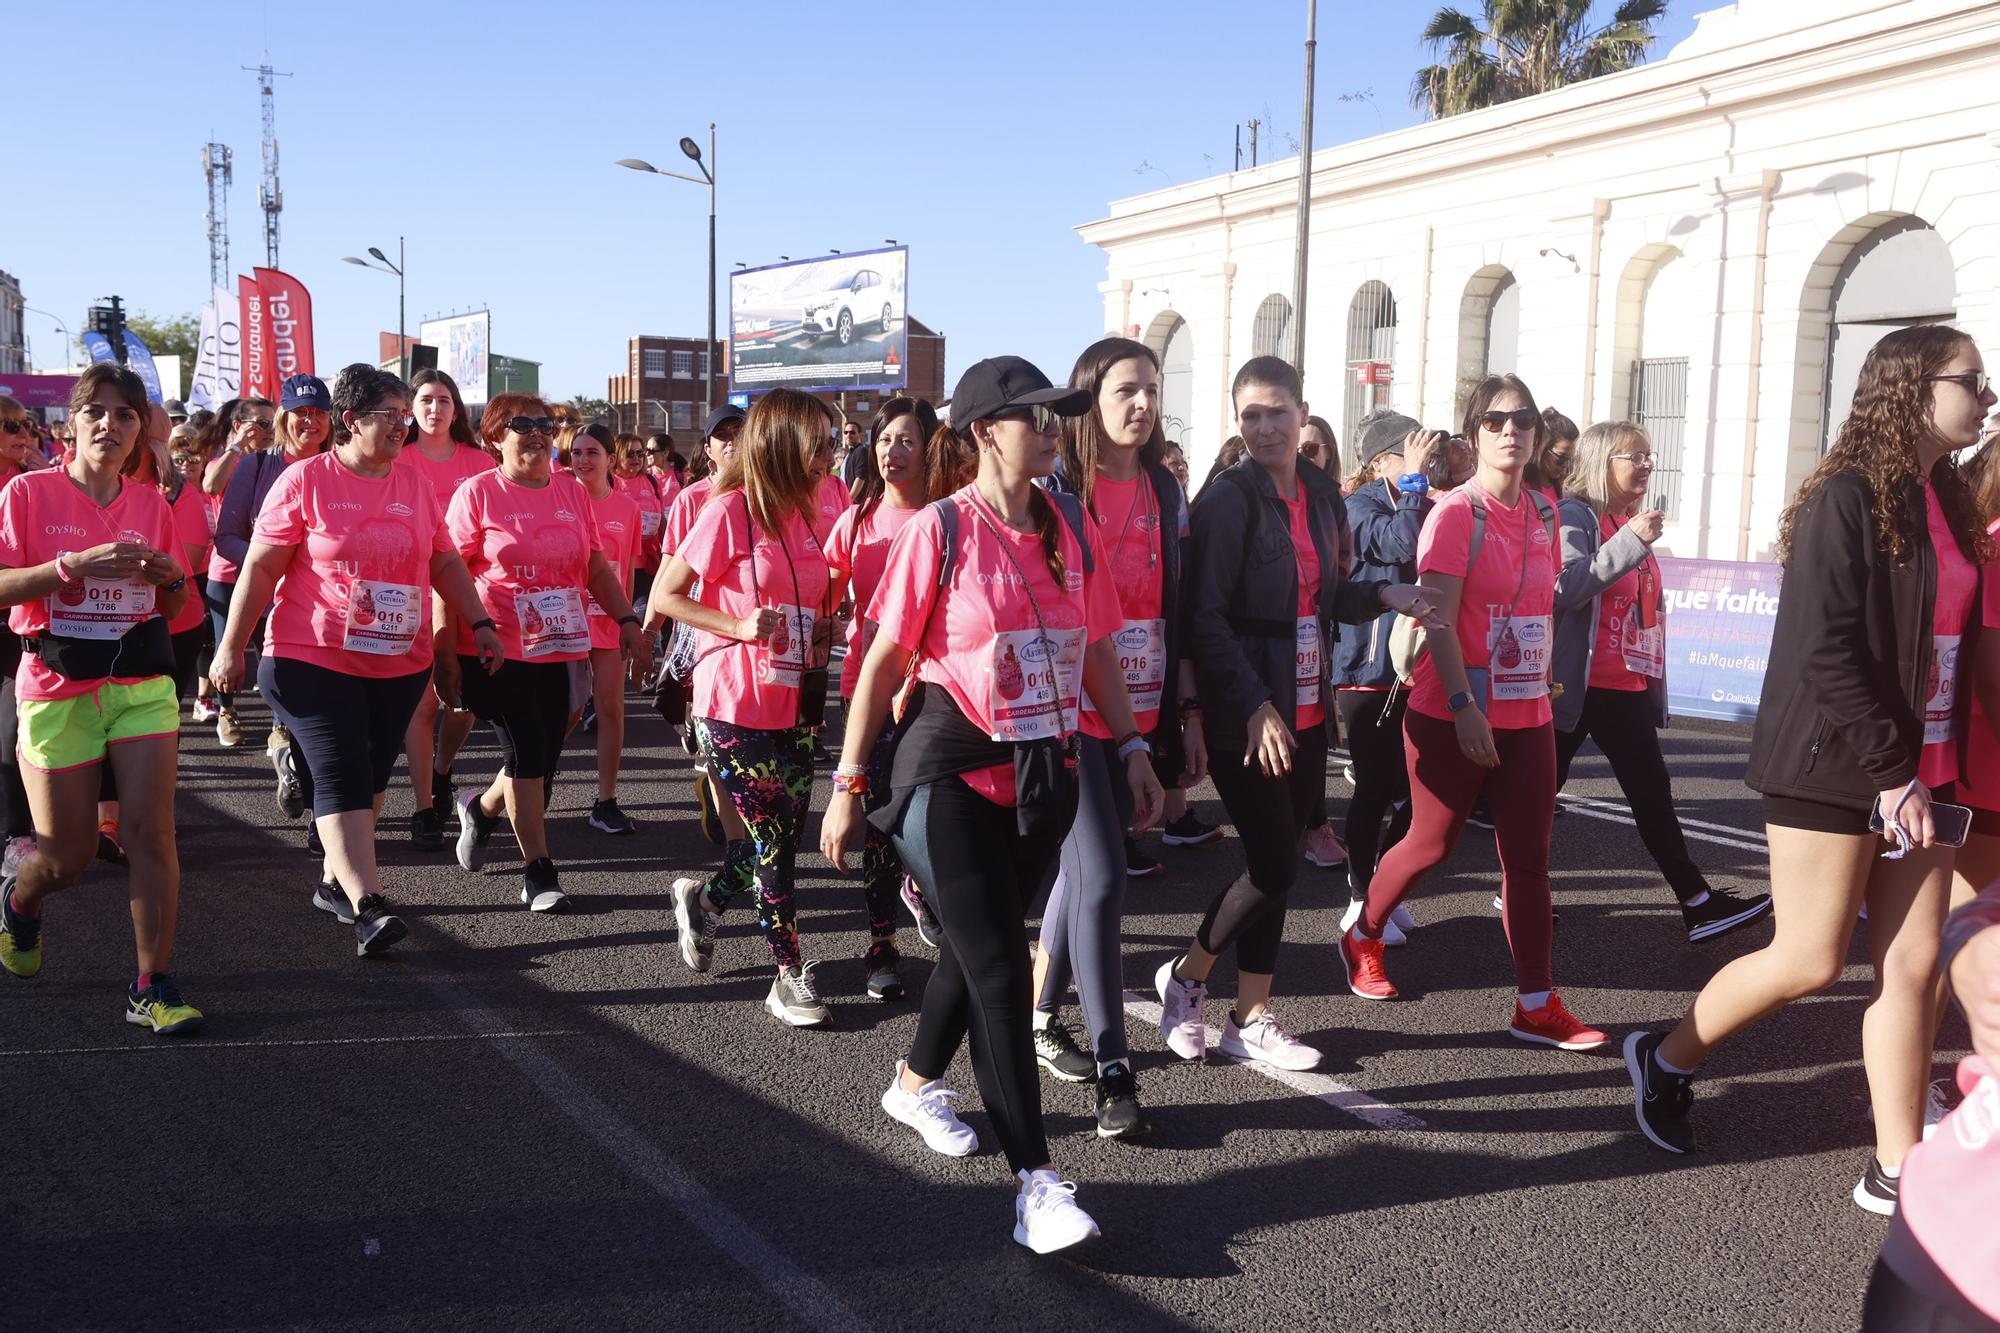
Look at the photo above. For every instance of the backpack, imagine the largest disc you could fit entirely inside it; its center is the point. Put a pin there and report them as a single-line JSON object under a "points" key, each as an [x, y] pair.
{"points": [[1408, 640]]}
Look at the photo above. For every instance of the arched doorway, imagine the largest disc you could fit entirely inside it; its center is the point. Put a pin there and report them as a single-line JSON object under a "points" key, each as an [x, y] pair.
{"points": [[1371, 352], [1489, 329], [1898, 275], [1271, 331], [1171, 341]]}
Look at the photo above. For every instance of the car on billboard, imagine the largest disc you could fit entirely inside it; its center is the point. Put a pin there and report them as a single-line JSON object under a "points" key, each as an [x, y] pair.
{"points": [[864, 298]]}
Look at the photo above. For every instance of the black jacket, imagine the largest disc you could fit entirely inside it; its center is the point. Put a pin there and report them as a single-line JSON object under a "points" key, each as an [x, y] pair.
{"points": [[1841, 717], [1242, 596]]}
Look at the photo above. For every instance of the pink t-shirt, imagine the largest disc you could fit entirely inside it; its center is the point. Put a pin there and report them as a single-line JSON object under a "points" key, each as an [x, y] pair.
{"points": [[446, 474], [861, 557], [191, 528], [670, 487], [357, 596], [1949, 1183], [1957, 591], [754, 684], [616, 521], [652, 517], [973, 646], [832, 500], [42, 515], [681, 515], [1627, 618], [1983, 755], [1517, 540], [1311, 710], [528, 549], [1134, 548]]}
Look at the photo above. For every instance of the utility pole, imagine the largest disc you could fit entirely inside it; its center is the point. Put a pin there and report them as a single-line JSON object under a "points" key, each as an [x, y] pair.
{"points": [[270, 196], [1254, 124], [1305, 200], [215, 165]]}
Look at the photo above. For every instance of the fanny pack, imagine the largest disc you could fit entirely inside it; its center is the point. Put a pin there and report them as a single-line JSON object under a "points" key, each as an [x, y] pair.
{"points": [[144, 650], [1045, 787]]}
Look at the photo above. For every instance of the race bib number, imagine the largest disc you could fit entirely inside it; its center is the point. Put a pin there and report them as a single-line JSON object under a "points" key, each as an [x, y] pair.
{"points": [[1518, 657], [785, 651], [552, 622], [382, 618], [1033, 683], [99, 608], [1310, 646], [649, 521], [618, 573], [1644, 648], [1142, 656], [1941, 699]]}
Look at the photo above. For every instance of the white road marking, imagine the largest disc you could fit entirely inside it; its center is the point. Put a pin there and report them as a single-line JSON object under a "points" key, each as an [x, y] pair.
{"points": [[1625, 812], [1330, 1090], [197, 1044], [1695, 834]]}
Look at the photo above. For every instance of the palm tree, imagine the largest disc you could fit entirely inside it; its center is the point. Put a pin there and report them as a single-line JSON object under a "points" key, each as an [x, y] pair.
{"points": [[1525, 47]]}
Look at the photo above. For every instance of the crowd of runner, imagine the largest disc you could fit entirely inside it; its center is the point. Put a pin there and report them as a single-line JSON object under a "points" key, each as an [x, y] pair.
{"points": [[1047, 643]]}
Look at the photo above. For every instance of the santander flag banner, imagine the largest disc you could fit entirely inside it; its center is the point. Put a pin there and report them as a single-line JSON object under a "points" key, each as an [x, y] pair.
{"points": [[258, 381], [288, 312]]}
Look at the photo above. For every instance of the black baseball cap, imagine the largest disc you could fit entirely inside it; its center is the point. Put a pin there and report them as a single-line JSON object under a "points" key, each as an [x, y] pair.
{"points": [[721, 417], [990, 387]]}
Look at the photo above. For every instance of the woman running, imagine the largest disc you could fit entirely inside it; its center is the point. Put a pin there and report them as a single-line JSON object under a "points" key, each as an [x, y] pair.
{"points": [[87, 564], [617, 518], [245, 426], [1862, 725], [18, 442], [524, 533], [1481, 703], [998, 594], [347, 550]]}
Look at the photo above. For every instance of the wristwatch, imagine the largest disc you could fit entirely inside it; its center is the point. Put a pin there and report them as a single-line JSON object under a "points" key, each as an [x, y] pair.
{"points": [[176, 585], [1459, 702]]}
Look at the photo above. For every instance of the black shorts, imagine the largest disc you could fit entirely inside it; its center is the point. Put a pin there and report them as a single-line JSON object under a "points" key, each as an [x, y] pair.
{"points": [[1827, 817], [528, 705]]}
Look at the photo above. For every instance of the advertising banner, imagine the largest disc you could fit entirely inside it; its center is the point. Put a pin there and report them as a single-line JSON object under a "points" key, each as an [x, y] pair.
{"points": [[218, 362], [288, 312], [838, 322], [464, 344], [39, 390], [258, 381], [1720, 618], [140, 358], [99, 347]]}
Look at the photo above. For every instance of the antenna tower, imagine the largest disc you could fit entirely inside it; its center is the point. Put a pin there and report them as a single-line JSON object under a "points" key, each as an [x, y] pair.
{"points": [[270, 196], [215, 160]]}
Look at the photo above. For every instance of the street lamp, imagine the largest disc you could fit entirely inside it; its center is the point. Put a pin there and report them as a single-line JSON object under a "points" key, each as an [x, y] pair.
{"points": [[692, 151], [69, 339], [402, 342]]}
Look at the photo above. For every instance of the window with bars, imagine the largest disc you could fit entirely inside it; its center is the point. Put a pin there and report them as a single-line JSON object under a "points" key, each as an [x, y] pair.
{"points": [[683, 365], [655, 362], [704, 365], [1271, 331], [1371, 350], [683, 416], [1659, 404]]}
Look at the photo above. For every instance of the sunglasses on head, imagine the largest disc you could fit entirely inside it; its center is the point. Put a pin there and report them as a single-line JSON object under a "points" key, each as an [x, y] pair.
{"points": [[533, 425], [1524, 418], [1037, 415]]}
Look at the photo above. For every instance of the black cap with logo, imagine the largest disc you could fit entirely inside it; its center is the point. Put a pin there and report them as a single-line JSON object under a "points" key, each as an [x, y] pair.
{"points": [[990, 387]]}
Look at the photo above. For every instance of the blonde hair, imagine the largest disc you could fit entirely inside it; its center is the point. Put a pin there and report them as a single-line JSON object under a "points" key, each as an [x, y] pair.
{"points": [[1589, 476], [773, 466]]}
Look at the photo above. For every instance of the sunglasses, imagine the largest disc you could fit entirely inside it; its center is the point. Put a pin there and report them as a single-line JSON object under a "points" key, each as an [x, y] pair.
{"points": [[16, 427], [1037, 415], [1976, 382], [533, 425], [659, 451], [1524, 419]]}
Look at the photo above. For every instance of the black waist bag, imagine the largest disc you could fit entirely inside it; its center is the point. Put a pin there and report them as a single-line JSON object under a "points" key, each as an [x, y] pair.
{"points": [[1045, 787], [144, 650]]}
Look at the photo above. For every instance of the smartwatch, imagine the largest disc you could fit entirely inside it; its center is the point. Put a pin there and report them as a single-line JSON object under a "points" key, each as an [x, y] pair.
{"points": [[628, 619], [1459, 702], [485, 623]]}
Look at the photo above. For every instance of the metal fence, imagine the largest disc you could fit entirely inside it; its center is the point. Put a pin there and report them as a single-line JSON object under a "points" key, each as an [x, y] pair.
{"points": [[1659, 403]]}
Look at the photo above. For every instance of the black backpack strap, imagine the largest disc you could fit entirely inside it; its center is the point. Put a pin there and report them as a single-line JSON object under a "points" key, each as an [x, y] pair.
{"points": [[1071, 508], [1168, 502]]}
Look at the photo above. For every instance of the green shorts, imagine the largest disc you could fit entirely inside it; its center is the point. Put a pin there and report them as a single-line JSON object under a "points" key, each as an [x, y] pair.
{"points": [[58, 734]]}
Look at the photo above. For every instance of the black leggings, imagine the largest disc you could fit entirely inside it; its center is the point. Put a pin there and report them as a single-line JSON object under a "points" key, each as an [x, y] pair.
{"points": [[1913, 1295], [189, 645], [1372, 721], [528, 705], [1270, 815], [348, 729], [19, 821], [1621, 722], [980, 877]]}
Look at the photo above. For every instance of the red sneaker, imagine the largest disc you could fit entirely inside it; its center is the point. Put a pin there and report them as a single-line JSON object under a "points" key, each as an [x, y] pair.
{"points": [[1363, 959], [1553, 1025]]}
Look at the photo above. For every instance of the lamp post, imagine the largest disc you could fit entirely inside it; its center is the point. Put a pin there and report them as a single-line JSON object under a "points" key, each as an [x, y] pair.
{"points": [[1305, 198], [402, 341], [692, 151], [69, 339]]}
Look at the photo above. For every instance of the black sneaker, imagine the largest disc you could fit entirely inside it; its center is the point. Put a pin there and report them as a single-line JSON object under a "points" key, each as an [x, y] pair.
{"points": [[589, 722], [1118, 1113], [539, 890], [374, 929], [1481, 816], [475, 830], [884, 981], [313, 843], [1722, 913], [1056, 1051], [1877, 1192], [331, 898], [441, 792], [426, 830], [1660, 1101], [1187, 831], [1138, 865], [291, 791], [606, 817]]}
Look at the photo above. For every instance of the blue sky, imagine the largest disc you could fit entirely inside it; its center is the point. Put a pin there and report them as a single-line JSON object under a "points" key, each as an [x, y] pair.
{"points": [[485, 134]]}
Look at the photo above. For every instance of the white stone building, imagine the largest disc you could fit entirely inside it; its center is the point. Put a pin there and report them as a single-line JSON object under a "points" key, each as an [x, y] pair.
{"points": [[1709, 244]]}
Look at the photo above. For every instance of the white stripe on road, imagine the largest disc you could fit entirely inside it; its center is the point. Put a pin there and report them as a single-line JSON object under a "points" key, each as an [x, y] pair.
{"points": [[197, 1044], [1330, 1090], [1611, 816], [1625, 811]]}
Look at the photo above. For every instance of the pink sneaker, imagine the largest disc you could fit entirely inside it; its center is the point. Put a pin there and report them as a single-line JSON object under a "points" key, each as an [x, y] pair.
{"points": [[1553, 1025], [1324, 847]]}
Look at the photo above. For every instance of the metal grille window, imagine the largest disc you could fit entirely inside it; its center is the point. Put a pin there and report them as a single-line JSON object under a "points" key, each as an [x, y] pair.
{"points": [[1271, 331], [704, 365], [656, 362], [683, 416], [1371, 350], [1659, 403], [683, 365]]}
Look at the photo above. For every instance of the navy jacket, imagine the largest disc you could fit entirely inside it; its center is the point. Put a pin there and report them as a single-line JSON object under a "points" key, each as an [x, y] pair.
{"points": [[1385, 532]]}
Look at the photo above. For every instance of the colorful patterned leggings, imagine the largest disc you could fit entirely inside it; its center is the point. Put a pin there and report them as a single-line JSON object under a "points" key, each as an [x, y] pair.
{"points": [[769, 776]]}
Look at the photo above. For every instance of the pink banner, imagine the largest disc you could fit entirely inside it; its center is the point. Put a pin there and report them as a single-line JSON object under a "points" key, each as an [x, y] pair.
{"points": [[289, 321], [258, 380], [38, 390]]}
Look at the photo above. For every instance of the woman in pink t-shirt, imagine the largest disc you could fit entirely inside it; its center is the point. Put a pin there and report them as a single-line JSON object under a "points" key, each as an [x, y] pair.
{"points": [[525, 534], [1009, 612], [1978, 862], [765, 633], [1480, 705], [616, 516], [629, 475], [444, 449], [346, 552]]}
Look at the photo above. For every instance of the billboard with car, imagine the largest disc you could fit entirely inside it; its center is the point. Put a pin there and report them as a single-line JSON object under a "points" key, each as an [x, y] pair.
{"points": [[837, 322], [464, 344]]}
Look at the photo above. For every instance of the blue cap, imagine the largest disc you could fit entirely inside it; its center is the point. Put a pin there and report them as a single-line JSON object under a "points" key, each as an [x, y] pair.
{"points": [[305, 391]]}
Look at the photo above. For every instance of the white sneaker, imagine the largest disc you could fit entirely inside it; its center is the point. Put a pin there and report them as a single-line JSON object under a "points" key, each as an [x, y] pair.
{"points": [[1046, 1215], [929, 1113], [1402, 920], [204, 710], [697, 925], [1265, 1040], [1392, 933], [1181, 1023], [18, 851]]}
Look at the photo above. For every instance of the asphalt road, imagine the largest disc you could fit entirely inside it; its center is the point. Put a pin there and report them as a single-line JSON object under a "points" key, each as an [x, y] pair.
{"points": [[548, 1122]]}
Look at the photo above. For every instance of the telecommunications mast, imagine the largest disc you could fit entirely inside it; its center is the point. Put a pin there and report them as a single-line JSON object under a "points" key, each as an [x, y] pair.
{"points": [[270, 196], [215, 166]]}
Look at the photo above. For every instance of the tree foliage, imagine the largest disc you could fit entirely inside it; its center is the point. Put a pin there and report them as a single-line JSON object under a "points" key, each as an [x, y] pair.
{"points": [[591, 409], [1518, 48]]}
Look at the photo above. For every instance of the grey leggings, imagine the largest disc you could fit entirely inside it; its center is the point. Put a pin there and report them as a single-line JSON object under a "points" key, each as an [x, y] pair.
{"points": [[1082, 925]]}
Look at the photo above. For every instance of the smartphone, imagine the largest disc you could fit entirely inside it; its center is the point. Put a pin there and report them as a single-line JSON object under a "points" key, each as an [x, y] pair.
{"points": [[1950, 822]]}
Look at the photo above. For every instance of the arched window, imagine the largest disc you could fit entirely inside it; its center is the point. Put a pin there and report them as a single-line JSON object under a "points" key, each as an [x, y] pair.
{"points": [[1271, 331], [1489, 328], [1900, 274], [1371, 352]]}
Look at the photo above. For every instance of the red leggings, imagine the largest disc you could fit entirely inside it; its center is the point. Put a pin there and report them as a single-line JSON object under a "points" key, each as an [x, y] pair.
{"points": [[1444, 784]]}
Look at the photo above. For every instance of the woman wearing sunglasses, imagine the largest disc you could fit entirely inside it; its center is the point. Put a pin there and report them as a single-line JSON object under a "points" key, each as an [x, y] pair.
{"points": [[1862, 725], [628, 465], [615, 516], [524, 532], [1480, 706]]}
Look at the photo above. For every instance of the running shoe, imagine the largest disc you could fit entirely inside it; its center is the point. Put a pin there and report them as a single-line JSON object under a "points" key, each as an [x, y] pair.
{"points": [[475, 829], [1046, 1215], [710, 818], [1182, 1025], [1392, 933], [1722, 913], [1481, 816], [697, 924], [161, 1008], [1324, 847], [374, 928], [1118, 1113], [1877, 1192], [884, 981], [19, 849], [1938, 1103], [539, 890], [1660, 1101], [227, 729], [109, 847], [794, 999], [1265, 1040], [291, 791], [1138, 865], [426, 830], [1056, 1051], [928, 1111], [204, 709], [928, 929], [1362, 957], [314, 844], [1554, 1025], [606, 817], [588, 722], [442, 796], [332, 899], [20, 935], [1555, 913], [1187, 831], [1347, 771]]}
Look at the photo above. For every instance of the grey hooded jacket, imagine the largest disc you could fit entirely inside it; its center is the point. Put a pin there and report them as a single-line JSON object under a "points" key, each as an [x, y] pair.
{"points": [[1590, 565]]}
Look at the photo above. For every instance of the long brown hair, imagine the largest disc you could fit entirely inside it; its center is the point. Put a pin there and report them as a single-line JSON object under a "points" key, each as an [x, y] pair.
{"points": [[1982, 474], [1482, 398], [1878, 442], [773, 466], [460, 429], [869, 487], [1084, 438]]}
